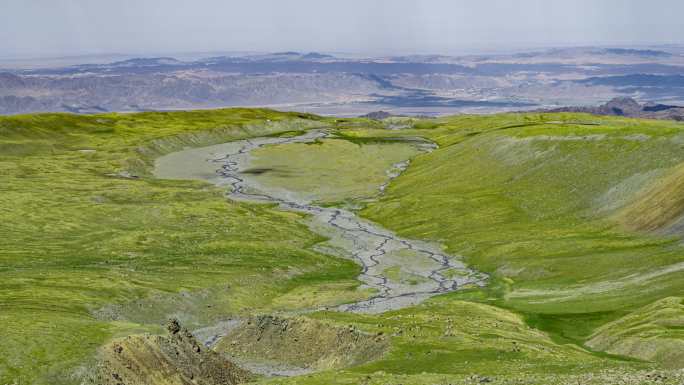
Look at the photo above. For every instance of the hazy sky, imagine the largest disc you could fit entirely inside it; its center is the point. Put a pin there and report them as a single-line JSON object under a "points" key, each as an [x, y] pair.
{"points": [[68, 27]]}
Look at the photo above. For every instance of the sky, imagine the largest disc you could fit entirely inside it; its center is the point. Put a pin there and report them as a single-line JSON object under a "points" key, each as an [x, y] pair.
{"points": [[34, 28]]}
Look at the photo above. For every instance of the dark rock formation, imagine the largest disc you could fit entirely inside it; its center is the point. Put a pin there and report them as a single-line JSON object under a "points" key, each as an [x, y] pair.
{"points": [[630, 108], [377, 115]]}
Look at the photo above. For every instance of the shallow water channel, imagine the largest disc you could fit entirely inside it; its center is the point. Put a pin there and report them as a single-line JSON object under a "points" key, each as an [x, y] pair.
{"points": [[424, 269]]}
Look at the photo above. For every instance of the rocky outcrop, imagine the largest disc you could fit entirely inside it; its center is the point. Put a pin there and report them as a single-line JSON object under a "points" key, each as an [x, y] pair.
{"points": [[174, 359], [630, 108], [302, 343], [621, 107], [377, 115]]}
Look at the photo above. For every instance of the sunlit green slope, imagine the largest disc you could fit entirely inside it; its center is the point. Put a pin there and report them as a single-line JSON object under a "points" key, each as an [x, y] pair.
{"points": [[91, 246], [539, 202]]}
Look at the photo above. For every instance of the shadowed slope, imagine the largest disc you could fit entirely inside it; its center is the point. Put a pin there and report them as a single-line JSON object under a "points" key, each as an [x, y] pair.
{"points": [[659, 207]]}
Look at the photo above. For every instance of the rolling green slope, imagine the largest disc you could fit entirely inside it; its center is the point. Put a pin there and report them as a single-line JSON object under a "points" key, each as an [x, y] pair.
{"points": [[532, 199], [558, 208], [654, 332], [92, 247]]}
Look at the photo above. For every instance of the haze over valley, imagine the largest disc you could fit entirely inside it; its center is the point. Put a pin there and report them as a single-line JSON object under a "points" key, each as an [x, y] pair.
{"points": [[350, 86]]}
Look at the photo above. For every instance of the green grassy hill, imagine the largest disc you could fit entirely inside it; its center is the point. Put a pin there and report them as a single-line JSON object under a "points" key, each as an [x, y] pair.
{"points": [[558, 208], [537, 200], [92, 247]]}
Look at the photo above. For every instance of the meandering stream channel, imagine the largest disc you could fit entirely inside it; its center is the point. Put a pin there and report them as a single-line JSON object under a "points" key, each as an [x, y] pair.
{"points": [[375, 248]]}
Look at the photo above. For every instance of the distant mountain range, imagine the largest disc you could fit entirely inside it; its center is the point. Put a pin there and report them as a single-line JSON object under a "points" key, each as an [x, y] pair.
{"points": [[329, 84]]}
